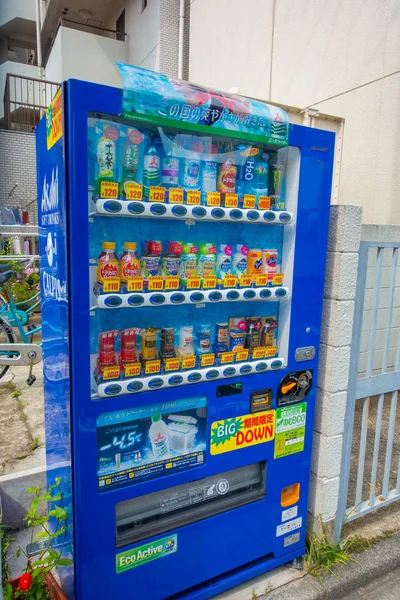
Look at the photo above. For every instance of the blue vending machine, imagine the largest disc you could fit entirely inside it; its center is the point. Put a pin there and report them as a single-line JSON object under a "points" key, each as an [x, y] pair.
{"points": [[183, 237]]}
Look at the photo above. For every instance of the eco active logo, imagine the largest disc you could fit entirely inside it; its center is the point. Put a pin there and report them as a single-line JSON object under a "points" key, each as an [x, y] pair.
{"points": [[240, 432], [146, 553]]}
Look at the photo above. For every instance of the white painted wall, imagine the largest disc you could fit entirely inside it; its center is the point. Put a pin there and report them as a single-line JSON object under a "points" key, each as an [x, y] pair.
{"points": [[18, 69], [12, 9], [80, 55]]}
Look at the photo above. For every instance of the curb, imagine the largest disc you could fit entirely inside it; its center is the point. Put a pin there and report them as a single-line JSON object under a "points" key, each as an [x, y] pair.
{"points": [[15, 500], [368, 566]]}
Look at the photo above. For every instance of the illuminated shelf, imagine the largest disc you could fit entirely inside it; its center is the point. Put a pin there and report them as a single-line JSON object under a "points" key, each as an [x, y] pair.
{"points": [[178, 378], [183, 211], [139, 299]]}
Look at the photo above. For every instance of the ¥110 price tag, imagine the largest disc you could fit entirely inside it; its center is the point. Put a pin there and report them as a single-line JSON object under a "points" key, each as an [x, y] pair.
{"points": [[245, 281], [111, 372], [132, 369], [133, 191], [270, 351], [108, 189], [258, 352], [111, 285], [227, 357], [261, 280], [157, 194], [135, 284], [231, 200], [193, 282], [152, 366], [213, 199], [175, 195], [188, 362], [242, 355], [229, 281], [207, 360], [156, 283], [193, 197], [172, 364], [172, 282], [249, 201], [209, 283], [277, 279], [264, 202]]}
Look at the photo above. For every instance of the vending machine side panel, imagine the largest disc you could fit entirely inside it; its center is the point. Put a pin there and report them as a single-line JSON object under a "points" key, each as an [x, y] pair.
{"points": [[53, 243]]}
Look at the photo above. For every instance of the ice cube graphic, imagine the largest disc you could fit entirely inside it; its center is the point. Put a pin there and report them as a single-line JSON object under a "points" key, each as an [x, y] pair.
{"points": [[182, 432]]}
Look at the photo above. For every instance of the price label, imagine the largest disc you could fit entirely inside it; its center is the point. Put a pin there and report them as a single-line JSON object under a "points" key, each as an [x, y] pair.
{"points": [[132, 369], [245, 281], [133, 191], [277, 279], [193, 197], [111, 285], [193, 282], [213, 199], [176, 195], [135, 284], [172, 282], [229, 281], [172, 364], [152, 366], [231, 200], [209, 283], [261, 280], [111, 372], [108, 189], [207, 360], [227, 357], [242, 355], [157, 194], [155, 283], [259, 352], [280, 205], [249, 201], [264, 202], [270, 351], [188, 362]]}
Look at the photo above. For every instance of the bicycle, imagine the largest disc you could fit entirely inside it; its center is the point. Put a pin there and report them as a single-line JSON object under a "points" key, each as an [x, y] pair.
{"points": [[12, 352]]}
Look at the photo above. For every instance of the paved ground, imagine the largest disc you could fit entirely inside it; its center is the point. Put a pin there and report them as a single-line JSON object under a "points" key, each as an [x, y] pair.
{"points": [[384, 588]]}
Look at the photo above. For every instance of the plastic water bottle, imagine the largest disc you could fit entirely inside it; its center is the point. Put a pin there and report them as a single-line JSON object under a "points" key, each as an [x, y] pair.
{"points": [[260, 179], [151, 169], [158, 433]]}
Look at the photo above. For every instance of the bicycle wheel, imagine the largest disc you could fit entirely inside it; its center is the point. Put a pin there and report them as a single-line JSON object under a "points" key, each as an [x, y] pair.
{"points": [[7, 336]]}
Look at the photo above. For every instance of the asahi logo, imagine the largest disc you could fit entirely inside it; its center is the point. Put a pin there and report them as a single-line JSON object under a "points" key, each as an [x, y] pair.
{"points": [[49, 202]]}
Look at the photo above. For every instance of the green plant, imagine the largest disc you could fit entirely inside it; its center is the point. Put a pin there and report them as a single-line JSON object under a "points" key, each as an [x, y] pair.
{"points": [[35, 443], [5, 541], [32, 583], [323, 553], [254, 595]]}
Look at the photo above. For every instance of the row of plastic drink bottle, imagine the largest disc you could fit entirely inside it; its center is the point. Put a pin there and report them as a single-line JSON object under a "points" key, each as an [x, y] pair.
{"points": [[191, 162]]}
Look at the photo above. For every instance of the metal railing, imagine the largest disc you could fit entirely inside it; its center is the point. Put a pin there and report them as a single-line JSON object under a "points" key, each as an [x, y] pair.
{"points": [[25, 100], [370, 470]]}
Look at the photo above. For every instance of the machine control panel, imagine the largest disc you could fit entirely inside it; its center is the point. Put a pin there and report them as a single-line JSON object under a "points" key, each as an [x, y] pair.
{"points": [[260, 400]]}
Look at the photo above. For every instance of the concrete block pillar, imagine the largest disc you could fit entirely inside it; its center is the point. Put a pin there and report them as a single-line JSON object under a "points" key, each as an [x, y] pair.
{"points": [[337, 325]]}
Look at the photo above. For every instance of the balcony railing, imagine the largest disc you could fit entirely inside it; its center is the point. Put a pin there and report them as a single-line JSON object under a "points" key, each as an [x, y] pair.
{"points": [[25, 100]]}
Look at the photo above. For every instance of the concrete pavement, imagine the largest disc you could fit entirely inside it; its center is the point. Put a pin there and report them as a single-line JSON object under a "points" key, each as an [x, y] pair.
{"points": [[384, 588]]}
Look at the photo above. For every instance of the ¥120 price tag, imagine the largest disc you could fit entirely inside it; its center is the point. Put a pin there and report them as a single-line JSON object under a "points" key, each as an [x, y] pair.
{"points": [[245, 281], [231, 200], [258, 352], [261, 280], [264, 202], [135, 284], [209, 283], [133, 191], [175, 196], [270, 351], [157, 194], [108, 189], [111, 372], [172, 282], [111, 285], [188, 362], [156, 283], [242, 355], [207, 360], [213, 199], [132, 369], [193, 197], [229, 281], [277, 279], [152, 366], [249, 201], [193, 282], [227, 357], [172, 364]]}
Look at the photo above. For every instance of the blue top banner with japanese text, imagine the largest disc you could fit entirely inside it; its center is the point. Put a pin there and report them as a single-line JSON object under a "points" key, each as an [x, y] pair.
{"points": [[150, 94]]}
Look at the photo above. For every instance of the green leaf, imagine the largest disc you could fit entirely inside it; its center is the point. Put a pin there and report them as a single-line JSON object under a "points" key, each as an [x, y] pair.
{"points": [[58, 513], [41, 535], [64, 562]]}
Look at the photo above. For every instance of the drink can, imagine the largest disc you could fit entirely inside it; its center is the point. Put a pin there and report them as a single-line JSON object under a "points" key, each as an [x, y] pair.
{"points": [[254, 261], [269, 262]]}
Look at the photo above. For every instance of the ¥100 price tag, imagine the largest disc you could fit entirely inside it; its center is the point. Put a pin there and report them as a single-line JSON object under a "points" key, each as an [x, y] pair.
{"points": [[264, 202], [277, 279], [135, 284], [111, 372], [132, 369], [258, 352], [111, 285], [172, 364], [108, 189], [152, 366], [213, 199], [133, 191], [156, 283], [188, 362], [157, 194], [249, 201], [231, 200], [207, 360], [175, 195], [270, 351], [227, 357], [193, 197]]}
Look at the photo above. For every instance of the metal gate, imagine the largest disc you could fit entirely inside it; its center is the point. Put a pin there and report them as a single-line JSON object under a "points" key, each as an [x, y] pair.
{"points": [[370, 470]]}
